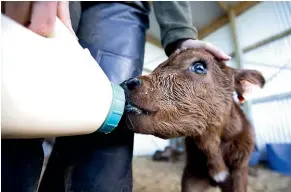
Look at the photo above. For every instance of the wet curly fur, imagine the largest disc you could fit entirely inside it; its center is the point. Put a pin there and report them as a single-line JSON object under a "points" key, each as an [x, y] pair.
{"points": [[179, 102]]}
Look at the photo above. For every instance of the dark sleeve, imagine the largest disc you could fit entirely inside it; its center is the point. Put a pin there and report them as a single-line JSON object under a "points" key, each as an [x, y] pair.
{"points": [[175, 21]]}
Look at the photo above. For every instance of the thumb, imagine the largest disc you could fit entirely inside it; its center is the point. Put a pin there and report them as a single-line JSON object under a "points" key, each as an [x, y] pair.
{"points": [[63, 13], [43, 17]]}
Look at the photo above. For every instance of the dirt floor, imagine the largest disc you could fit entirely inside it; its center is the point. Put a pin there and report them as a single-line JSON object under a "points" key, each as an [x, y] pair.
{"points": [[152, 176]]}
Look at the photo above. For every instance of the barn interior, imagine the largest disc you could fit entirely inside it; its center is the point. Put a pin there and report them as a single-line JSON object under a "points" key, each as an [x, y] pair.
{"points": [[258, 36]]}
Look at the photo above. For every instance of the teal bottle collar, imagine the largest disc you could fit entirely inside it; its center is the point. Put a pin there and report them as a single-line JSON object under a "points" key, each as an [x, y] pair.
{"points": [[116, 110]]}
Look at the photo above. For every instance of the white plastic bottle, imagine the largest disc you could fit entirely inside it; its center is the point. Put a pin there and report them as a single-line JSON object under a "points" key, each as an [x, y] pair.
{"points": [[52, 86]]}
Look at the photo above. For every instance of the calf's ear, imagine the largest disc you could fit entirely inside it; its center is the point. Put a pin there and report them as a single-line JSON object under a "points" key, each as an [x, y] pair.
{"points": [[246, 82]]}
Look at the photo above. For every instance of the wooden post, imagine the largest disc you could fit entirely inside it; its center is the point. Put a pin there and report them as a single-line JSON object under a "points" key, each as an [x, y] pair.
{"points": [[238, 54], [237, 48], [223, 5]]}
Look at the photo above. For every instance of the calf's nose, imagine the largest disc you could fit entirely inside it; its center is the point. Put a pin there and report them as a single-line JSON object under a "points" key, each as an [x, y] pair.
{"points": [[131, 84]]}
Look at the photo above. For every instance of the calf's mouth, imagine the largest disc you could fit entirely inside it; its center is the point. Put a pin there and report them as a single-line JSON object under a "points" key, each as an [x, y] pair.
{"points": [[135, 109]]}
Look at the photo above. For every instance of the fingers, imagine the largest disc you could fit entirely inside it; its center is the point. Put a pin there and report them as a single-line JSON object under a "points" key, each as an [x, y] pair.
{"points": [[18, 11], [63, 13], [3, 7], [43, 17], [38, 16], [215, 51], [208, 46]]}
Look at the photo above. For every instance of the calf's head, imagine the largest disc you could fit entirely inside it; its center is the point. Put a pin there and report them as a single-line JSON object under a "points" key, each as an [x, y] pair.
{"points": [[185, 95]]}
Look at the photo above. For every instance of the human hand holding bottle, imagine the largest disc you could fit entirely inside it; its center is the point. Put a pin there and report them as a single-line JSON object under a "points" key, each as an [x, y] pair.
{"points": [[38, 16]]}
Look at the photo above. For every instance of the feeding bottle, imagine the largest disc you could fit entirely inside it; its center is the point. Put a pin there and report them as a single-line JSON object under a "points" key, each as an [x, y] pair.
{"points": [[52, 86]]}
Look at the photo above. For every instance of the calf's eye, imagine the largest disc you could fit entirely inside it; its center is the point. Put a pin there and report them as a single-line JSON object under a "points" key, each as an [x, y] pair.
{"points": [[198, 67]]}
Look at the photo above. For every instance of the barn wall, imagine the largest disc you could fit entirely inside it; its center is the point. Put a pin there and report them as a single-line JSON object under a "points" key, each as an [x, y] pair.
{"points": [[271, 107]]}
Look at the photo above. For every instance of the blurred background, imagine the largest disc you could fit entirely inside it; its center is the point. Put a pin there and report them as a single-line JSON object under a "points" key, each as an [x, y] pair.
{"points": [[258, 36]]}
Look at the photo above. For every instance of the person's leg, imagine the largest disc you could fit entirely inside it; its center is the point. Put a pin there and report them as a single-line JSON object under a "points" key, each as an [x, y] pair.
{"points": [[21, 164], [115, 35]]}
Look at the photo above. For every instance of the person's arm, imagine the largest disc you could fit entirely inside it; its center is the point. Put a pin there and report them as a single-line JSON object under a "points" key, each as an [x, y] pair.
{"points": [[175, 21], [177, 30]]}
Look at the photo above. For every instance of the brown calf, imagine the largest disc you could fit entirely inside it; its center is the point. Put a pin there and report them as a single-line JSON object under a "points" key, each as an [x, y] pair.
{"points": [[191, 94]]}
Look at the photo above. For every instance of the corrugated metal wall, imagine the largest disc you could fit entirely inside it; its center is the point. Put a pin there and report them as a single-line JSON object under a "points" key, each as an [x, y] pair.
{"points": [[271, 111], [271, 108], [271, 119]]}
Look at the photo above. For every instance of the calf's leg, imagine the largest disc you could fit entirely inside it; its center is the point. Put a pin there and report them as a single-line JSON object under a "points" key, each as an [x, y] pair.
{"points": [[210, 145], [191, 183], [237, 182]]}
